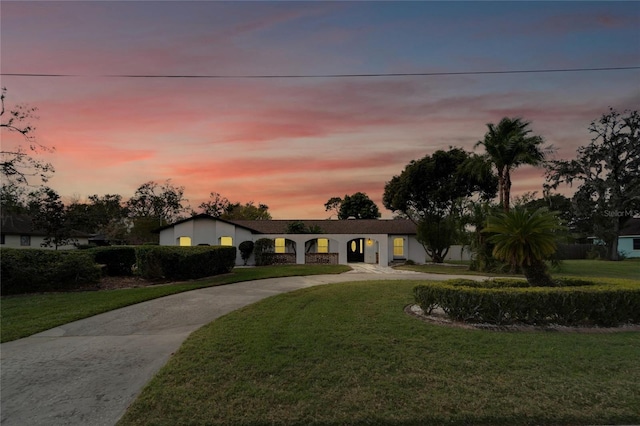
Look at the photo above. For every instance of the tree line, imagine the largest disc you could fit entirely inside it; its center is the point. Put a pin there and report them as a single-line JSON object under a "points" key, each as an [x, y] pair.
{"points": [[450, 194], [119, 221]]}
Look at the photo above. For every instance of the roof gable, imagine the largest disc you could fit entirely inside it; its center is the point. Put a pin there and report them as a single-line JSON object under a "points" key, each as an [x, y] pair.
{"points": [[199, 216]]}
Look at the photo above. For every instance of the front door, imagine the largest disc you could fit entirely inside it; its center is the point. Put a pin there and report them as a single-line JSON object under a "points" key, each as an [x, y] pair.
{"points": [[355, 250]]}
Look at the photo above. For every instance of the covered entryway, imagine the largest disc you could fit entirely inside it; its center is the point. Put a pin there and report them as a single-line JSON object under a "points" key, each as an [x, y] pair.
{"points": [[355, 250]]}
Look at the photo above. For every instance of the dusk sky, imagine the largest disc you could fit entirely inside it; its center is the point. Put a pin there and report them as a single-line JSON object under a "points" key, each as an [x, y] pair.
{"points": [[293, 143]]}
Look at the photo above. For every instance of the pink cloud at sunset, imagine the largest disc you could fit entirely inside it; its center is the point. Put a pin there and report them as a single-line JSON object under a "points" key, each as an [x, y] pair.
{"points": [[292, 143]]}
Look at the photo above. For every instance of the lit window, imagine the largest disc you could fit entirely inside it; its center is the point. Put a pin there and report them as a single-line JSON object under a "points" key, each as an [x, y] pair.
{"points": [[226, 241], [398, 246], [323, 245], [280, 245], [184, 241]]}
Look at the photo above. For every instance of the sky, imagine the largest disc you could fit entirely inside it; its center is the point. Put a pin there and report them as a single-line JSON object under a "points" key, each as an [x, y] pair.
{"points": [[294, 142]]}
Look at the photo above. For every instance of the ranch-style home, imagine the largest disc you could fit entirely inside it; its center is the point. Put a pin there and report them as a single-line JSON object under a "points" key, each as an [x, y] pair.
{"points": [[340, 242], [17, 231]]}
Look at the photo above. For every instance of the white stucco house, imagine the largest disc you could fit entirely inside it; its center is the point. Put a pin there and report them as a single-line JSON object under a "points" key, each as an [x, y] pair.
{"points": [[341, 241], [629, 239]]}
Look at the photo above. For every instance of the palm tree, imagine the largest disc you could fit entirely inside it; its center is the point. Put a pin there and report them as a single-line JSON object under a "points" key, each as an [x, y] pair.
{"points": [[508, 146], [525, 239]]}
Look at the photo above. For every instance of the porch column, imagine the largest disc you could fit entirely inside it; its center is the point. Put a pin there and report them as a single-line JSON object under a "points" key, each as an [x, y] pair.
{"points": [[300, 258]]}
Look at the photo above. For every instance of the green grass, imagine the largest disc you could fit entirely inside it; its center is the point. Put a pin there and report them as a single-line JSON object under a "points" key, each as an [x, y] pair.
{"points": [[25, 315], [348, 354], [627, 269]]}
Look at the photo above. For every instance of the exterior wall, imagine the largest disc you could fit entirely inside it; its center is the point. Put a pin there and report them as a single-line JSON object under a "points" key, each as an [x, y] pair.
{"points": [[13, 241], [206, 231], [166, 237], [625, 246], [338, 244], [458, 252], [184, 229], [371, 253], [203, 232], [416, 251], [224, 229]]}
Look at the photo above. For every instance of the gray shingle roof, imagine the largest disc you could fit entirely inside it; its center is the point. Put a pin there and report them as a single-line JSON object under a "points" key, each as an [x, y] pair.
{"points": [[19, 224], [631, 227], [359, 226], [23, 225]]}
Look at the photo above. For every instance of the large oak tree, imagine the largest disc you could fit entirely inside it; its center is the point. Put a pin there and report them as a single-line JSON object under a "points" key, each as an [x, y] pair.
{"points": [[431, 192], [608, 173]]}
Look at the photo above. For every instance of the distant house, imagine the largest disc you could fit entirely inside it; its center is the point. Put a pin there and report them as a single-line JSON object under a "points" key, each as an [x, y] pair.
{"points": [[629, 239], [341, 241], [17, 231]]}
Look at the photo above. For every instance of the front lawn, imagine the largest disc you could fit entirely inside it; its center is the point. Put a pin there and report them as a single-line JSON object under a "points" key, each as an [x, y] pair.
{"points": [[348, 354], [25, 315], [627, 269]]}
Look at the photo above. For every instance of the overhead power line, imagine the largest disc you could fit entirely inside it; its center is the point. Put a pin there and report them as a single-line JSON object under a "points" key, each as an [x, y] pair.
{"points": [[255, 76]]}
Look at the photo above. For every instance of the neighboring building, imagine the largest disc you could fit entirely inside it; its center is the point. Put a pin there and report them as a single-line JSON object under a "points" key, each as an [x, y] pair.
{"points": [[629, 239], [16, 231], [341, 241]]}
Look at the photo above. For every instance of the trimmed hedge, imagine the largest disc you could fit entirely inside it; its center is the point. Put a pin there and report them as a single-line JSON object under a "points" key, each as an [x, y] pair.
{"points": [[119, 260], [573, 302], [39, 270], [183, 263]]}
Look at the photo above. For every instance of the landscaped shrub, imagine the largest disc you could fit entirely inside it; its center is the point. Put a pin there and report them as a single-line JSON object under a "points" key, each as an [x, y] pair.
{"points": [[119, 260], [36, 270], [262, 248], [183, 263], [573, 302], [246, 248]]}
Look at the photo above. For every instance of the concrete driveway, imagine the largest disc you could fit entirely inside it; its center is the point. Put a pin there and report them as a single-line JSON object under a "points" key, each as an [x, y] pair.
{"points": [[88, 372]]}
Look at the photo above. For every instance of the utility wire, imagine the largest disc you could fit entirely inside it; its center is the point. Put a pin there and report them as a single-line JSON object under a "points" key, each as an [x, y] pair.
{"points": [[256, 76]]}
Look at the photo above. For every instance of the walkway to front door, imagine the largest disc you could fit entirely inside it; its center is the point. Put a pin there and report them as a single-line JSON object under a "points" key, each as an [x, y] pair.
{"points": [[368, 268]]}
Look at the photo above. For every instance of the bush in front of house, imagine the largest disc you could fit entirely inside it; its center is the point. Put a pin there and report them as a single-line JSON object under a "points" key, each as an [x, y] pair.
{"points": [[263, 247], [246, 248], [39, 270], [118, 260], [183, 263], [572, 302]]}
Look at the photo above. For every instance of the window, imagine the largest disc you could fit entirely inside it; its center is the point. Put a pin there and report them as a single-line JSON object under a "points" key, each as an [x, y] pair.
{"points": [[636, 243], [398, 247], [323, 245], [280, 245], [184, 241], [1, 238], [25, 240], [226, 241]]}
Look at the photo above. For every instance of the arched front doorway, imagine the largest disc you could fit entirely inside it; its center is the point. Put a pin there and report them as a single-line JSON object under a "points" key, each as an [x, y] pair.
{"points": [[355, 250]]}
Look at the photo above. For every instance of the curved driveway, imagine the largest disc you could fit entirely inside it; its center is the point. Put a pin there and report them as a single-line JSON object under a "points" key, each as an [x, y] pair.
{"points": [[88, 372]]}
